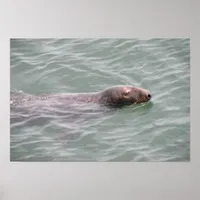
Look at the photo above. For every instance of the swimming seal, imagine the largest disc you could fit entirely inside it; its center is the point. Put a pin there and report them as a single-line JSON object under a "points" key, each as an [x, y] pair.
{"points": [[116, 96], [27, 108]]}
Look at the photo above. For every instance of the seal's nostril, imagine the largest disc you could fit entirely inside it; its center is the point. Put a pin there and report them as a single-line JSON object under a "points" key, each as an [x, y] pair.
{"points": [[149, 96]]}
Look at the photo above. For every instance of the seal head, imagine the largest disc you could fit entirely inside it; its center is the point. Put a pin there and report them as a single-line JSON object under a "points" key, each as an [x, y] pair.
{"points": [[124, 95]]}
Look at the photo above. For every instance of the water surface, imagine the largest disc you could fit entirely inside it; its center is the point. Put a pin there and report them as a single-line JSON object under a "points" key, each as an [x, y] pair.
{"points": [[155, 131]]}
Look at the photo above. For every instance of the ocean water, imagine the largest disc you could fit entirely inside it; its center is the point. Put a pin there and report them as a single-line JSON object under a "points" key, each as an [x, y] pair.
{"points": [[158, 130]]}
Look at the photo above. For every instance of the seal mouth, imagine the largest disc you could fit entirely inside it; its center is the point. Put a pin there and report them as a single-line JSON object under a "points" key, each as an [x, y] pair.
{"points": [[145, 99], [135, 102]]}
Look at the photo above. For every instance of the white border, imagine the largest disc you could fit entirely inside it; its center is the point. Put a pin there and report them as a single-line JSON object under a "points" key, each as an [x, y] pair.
{"points": [[130, 19]]}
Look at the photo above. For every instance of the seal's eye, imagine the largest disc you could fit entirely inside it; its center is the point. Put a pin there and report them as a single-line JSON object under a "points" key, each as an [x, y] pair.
{"points": [[126, 93]]}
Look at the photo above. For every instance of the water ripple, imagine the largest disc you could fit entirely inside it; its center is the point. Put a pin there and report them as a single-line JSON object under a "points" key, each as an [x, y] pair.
{"points": [[150, 132]]}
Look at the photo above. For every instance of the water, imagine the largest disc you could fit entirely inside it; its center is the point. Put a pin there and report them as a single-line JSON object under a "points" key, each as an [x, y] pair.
{"points": [[155, 131]]}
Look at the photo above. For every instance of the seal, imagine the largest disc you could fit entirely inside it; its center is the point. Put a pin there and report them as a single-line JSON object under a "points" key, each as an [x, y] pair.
{"points": [[116, 96], [73, 106]]}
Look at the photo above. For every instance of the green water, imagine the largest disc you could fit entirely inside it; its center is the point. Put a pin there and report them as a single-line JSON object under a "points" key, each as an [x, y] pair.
{"points": [[155, 131]]}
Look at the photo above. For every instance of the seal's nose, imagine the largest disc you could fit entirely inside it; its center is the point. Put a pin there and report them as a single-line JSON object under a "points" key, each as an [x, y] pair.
{"points": [[149, 96]]}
